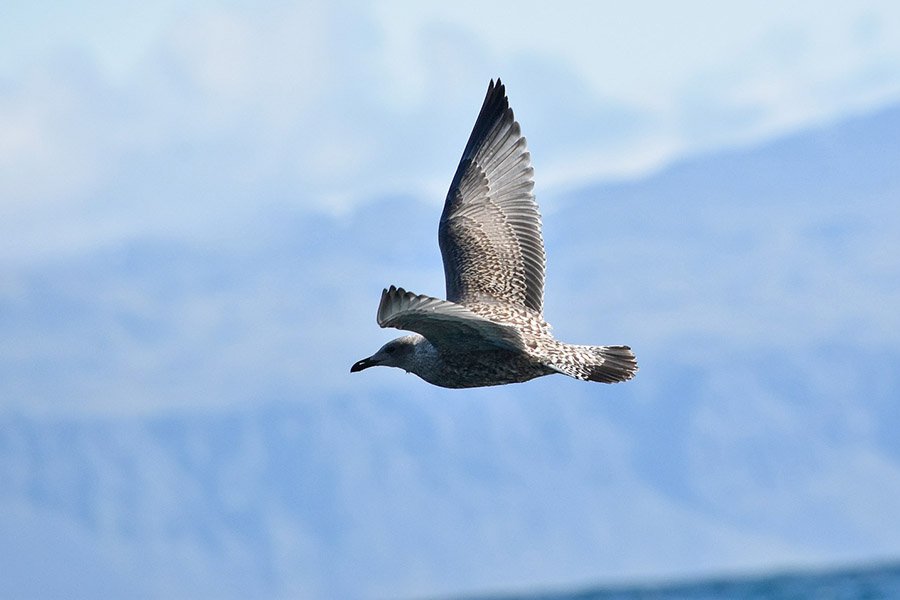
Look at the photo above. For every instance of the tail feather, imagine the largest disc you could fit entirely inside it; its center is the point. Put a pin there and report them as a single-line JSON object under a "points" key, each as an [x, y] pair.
{"points": [[615, 363], [606, 364]]}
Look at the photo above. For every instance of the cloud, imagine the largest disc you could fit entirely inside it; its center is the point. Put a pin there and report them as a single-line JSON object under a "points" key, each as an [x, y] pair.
{"points": [[214, 110], [44, 123]]}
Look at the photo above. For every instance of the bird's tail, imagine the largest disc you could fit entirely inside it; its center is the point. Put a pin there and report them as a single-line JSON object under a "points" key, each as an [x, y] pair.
{"points": [[606, 364]]}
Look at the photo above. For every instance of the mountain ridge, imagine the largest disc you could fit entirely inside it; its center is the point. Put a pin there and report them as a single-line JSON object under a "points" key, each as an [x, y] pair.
{"points": [[187, 406]]}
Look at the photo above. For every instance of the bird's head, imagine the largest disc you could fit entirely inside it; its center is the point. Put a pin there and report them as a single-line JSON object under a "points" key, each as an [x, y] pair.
{"points": [[396, 353]]}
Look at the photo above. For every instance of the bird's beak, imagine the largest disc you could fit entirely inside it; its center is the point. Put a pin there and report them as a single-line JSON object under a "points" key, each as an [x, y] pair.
{"points": [[363, 364]]}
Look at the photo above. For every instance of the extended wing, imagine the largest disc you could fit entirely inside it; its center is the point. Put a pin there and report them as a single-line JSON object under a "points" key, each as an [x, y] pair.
{"points": [[490, 229], [444, 324]]}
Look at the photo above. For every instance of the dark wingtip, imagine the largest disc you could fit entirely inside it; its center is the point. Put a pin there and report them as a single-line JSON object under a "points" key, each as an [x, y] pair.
{"points": [[496, 89], [387, 295], [494, 107]]}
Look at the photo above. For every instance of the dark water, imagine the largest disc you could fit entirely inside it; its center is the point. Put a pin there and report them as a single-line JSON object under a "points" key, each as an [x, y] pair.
{"points": [[881, 582]]}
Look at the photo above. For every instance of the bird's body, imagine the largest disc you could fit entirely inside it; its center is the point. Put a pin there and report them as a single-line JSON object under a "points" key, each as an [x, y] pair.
{"points": [[463, 368], [490, 330]]}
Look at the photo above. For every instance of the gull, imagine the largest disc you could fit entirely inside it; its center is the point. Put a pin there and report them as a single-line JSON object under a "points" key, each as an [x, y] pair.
{"points": [[490, 330]]}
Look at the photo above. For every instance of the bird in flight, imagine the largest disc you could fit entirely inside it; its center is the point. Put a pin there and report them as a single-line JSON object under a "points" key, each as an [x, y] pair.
{"points": [[491, 329]]}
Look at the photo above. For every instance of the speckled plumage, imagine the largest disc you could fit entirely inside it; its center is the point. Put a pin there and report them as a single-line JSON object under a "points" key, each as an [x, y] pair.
{"points": [[490, 330]]}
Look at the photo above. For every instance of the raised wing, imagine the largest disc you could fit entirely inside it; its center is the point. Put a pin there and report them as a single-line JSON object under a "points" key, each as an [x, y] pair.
{"points": [[444, 324], [490, 230]]}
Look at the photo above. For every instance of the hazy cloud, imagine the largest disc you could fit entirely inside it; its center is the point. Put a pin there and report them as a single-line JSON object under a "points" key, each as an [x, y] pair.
{"points": [[212, 108]]}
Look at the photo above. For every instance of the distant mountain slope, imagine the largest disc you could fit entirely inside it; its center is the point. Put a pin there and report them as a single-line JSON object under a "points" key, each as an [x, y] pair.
{"points": [[178, 419], [878, 581]]}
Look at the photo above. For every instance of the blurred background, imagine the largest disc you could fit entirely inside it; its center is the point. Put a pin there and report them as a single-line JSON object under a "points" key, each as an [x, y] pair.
{"points": [[200, 203]]}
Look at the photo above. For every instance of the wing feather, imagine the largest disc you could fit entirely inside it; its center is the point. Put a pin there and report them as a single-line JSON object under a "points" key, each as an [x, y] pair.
{"points": [[444, 324], [490, 229]]}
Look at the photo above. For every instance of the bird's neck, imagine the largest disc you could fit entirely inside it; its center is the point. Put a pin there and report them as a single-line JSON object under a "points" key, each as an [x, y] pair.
{"points": [[425, 361]]}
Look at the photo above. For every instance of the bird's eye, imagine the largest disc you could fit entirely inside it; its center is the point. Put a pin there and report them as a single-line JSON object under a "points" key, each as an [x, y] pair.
{"points": [[390, 349]]}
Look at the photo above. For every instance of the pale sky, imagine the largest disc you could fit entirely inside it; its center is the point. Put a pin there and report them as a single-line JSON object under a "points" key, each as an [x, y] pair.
{"points": [[335, 104]]}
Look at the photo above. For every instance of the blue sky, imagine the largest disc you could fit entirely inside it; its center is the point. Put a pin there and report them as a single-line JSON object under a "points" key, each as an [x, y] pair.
{"points": [[322, 101], [200, 203]]}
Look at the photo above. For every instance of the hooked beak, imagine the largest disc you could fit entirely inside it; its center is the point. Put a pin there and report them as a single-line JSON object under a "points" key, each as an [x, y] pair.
{"points": [[363, 364]]}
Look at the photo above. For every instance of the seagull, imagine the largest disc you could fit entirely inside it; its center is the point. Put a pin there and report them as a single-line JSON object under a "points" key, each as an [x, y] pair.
{"points": [[490, 330]]}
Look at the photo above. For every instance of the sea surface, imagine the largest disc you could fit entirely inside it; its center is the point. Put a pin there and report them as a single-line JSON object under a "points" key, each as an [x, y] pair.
{"points": [[871, 583]]}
